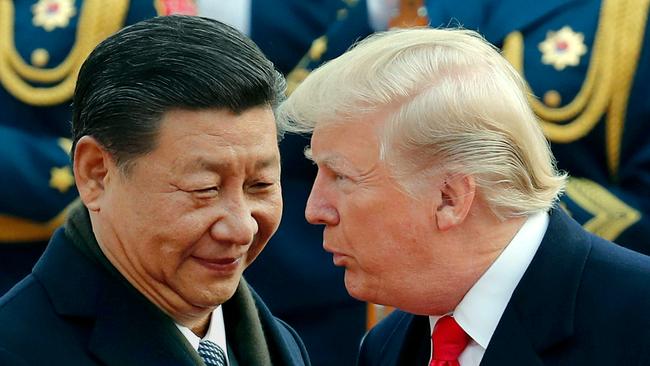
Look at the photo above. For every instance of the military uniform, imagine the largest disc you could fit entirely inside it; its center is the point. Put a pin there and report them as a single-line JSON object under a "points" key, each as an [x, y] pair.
{"points": [[42, 46], [351, 25], [587, 64]]}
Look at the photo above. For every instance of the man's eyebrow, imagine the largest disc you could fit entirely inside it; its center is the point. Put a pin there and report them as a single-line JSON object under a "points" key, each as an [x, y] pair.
{"points": [[203, 164], [332, 161], [266, 162]]}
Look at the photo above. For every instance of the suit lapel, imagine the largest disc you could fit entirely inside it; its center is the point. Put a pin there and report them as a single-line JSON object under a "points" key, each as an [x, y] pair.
{"points": [[124, 327], [416, 344], [540, 313], [510, 344], [401, 339], [128, 329]]}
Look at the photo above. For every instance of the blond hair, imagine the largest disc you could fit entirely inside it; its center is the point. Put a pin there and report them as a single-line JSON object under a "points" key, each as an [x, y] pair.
{"points": [[453, 102]]}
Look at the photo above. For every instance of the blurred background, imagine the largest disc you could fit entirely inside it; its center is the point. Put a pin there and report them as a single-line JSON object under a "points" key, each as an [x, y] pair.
{"points": [[586, 63]]}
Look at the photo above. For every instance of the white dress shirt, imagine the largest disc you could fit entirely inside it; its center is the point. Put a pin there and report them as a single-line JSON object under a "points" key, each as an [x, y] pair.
{"points": [[216, 332], [480, 310]]}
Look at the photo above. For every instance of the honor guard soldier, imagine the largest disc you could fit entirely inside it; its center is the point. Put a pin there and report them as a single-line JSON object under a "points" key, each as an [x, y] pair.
{"points": [[42, 46]]}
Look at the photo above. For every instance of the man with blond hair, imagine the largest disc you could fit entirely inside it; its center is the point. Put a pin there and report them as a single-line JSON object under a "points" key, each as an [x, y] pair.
{"points": [[438, 193]]}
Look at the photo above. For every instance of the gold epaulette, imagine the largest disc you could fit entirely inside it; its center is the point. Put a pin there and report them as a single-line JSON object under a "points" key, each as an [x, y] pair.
{"points": [[606, 88], [611, 216], [97, 20], [18, 230]]}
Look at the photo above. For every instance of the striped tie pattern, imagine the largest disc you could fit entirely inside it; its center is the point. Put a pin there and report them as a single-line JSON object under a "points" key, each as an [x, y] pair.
{"points": [[212, 354]]}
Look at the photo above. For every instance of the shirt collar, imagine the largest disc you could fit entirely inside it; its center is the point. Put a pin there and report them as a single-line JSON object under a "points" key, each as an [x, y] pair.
{"points": [[480, 310], [216, 332]]}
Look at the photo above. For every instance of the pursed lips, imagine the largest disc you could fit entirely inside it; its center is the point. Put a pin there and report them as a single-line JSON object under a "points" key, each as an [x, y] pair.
{"points": [[338, 258]]}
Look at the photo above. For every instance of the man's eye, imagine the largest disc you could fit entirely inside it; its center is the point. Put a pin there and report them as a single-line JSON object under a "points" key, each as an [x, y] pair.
{"points": [[258, 186], [206, 192]]}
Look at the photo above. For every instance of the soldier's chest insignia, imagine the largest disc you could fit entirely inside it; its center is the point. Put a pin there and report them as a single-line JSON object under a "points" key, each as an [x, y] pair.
{"points": [[51, 14], [563, 48]]}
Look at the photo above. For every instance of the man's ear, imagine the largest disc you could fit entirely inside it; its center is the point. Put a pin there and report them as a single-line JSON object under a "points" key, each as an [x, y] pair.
{"points": [[457, 195], [91, 166]]}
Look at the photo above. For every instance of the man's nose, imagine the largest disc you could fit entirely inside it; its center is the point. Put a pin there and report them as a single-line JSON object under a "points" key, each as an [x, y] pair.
{"points": [[319, 210], [236, 226]]}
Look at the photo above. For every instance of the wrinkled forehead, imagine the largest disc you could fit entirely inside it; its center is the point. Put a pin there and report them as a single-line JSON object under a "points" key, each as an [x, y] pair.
{"points": [[368, 128], [344, 145], [186, 134]]}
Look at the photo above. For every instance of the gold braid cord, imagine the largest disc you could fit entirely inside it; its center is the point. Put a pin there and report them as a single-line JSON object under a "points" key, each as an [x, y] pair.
{"points": [[606, 89], [630, 33], [300, 72], [611, 216], [15, 229], [97, 20]]}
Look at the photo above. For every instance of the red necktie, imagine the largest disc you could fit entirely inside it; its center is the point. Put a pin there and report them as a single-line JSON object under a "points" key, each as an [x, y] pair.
{"points": [[449, 341]]}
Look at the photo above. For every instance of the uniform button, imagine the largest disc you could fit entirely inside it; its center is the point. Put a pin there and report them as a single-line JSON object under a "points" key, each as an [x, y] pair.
{"points": [[40, 57], [552, 98]]}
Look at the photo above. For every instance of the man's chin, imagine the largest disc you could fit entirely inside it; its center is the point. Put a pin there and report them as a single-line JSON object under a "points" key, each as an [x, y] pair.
{"points": [[212, 296], [356, 288]]}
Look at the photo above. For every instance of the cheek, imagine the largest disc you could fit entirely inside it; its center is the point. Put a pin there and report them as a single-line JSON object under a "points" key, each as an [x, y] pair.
{"points": [[174, 214], [365, 219], [149, 211], [268, 214], [169, 237], [383, 232]]}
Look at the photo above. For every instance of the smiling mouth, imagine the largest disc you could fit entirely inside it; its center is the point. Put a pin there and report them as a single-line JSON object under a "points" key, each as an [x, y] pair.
{"points": [[220, 266]]}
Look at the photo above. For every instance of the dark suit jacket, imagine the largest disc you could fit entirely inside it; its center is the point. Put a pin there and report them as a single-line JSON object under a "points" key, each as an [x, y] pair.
{"points": [[71, 311], [582, 301]]}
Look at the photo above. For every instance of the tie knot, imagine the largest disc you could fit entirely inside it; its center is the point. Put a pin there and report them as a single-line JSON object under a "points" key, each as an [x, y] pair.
{"points": [[211, 353], [449, 339]]}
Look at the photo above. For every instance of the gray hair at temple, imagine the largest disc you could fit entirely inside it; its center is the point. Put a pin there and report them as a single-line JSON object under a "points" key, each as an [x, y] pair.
{"points": [[452, 101]]}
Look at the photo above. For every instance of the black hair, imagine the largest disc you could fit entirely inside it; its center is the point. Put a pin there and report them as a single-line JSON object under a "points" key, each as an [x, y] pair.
{"points": [[133, 77]]}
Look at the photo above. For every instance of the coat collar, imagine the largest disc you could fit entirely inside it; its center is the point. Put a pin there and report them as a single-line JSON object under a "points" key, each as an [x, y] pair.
{"points": [[417, 350], [541, 312], [539, 315], [79, 288], [400, 339], [244, 328], [282, 343]]}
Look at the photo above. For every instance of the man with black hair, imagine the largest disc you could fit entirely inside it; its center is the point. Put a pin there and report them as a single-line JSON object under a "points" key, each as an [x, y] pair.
{"points": [[42, 46], [176, 162]]}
